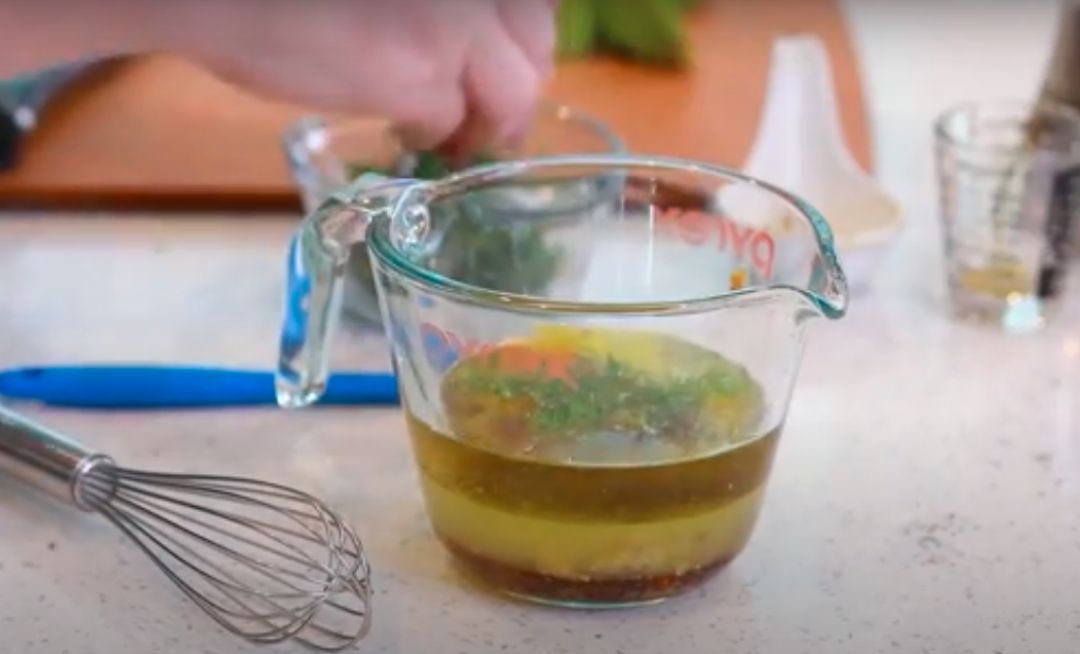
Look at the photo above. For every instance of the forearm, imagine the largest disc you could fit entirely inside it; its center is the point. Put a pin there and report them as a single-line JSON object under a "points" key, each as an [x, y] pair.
{"points": [[41, 33]]}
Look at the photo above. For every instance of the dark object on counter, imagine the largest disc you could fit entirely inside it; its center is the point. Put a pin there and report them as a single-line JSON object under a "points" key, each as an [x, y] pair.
{"points": [[10, 137], [1057, 137], [1061, 223], [1062, 85], [1062, 81], [23, 100], [1053, 140]]}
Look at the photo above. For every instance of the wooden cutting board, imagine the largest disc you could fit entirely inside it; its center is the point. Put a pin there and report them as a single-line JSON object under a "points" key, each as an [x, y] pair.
{"points": [[158, 133]]}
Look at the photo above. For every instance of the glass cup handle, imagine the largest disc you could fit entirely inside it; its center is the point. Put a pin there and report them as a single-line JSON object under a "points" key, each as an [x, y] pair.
{"points": [[315, 275]]}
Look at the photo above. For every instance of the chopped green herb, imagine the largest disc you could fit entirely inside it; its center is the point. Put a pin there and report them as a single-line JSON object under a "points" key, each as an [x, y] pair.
{"points": [[428, 166], [607, 394], [504, 256], [513, 258]]}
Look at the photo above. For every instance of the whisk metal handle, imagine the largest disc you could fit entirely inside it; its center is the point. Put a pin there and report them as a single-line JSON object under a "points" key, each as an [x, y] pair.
{"points": [[45, 459]]}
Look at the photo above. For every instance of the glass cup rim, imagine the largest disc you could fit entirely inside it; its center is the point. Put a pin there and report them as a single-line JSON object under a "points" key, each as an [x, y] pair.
{"points": [[831, 304], [944, 133], [298, 134]]}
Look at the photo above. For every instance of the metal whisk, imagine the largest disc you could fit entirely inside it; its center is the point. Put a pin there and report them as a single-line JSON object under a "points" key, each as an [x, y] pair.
{"points": [[267, 562]]}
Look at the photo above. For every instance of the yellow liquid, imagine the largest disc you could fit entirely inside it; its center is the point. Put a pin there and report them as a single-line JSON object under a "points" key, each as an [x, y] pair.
{"points": [[598, 516], [999, 279]]}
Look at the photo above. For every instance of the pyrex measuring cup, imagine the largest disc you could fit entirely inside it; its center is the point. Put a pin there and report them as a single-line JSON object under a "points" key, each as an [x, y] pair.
{"points": [[597, 428]]}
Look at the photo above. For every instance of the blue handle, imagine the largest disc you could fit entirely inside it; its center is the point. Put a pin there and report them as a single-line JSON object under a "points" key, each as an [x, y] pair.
{"points": [[150, 387]]}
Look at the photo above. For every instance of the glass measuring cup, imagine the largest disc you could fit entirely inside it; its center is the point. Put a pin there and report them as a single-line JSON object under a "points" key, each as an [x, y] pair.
{"points": [[603, 436]]}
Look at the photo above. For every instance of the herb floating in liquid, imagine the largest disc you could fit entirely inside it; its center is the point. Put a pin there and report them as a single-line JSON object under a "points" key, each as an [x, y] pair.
{"points": [[573, 395]]}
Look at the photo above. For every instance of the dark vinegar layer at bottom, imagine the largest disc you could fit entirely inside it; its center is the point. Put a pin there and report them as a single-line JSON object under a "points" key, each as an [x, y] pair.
{"points": [[557, 590]]}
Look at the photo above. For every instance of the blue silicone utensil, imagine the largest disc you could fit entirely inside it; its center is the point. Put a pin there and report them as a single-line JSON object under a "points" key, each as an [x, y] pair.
{"points": [[166, 386]]}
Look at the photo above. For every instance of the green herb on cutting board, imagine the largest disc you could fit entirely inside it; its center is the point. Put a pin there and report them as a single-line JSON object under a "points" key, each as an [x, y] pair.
{"points": [[648, 31]]}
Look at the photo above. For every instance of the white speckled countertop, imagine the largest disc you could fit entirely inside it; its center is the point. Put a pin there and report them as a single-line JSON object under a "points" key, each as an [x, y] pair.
{"points": [[926, 496]]}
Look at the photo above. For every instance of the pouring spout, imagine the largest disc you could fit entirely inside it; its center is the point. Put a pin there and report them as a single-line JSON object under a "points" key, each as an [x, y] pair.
{"points": [[827, 287], [802, 247], [800, 146], [829, 294]]}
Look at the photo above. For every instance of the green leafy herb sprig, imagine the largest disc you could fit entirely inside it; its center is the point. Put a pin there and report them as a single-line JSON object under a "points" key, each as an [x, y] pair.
{"points": [[508, 256], [429, 165], [512, 258], [649, 31]]}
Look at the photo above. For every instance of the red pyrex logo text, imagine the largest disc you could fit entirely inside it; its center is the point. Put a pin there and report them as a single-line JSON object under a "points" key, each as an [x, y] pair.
{"points": [[443, 347], [699, 228]]}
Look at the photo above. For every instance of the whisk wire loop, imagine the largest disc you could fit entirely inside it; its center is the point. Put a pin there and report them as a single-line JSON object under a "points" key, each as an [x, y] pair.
{"points": [[266, 562]]}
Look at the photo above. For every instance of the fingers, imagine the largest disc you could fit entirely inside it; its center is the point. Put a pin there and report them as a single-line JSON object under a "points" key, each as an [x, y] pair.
{"points": [[491, 101], [531, 24], [502, 86], [425, 100], [423, 127], [424, 116]]}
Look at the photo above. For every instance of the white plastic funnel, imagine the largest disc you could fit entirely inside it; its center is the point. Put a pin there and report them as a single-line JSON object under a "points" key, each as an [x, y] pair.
{"points": [[800, 147]]}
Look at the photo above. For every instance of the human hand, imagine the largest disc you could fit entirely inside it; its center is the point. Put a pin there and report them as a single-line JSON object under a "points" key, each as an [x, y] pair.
{"points": [[455, 74]]}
